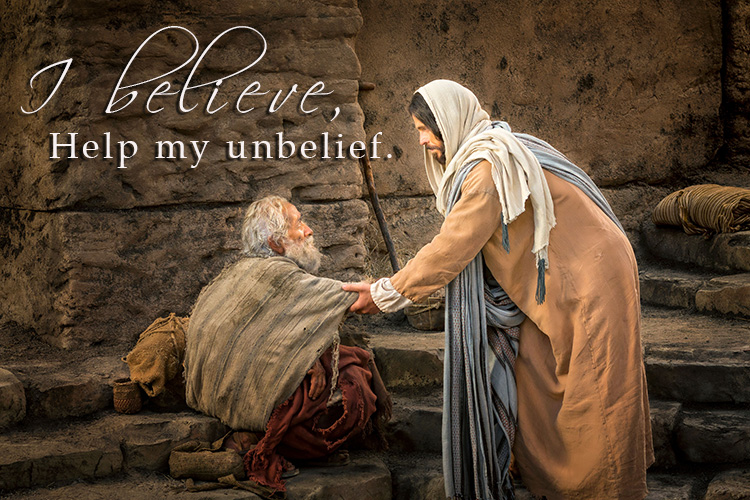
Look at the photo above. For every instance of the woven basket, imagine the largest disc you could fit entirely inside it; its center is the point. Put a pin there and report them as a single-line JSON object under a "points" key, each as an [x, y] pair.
{"points": [[429, 315], [127, 396]]}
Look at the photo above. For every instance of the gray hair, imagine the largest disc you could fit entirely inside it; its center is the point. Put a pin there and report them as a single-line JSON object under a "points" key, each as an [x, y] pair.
{"points": [[264, 219]]}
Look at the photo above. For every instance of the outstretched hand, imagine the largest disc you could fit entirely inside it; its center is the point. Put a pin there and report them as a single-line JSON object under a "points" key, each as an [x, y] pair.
{"points": [[364, 303]]}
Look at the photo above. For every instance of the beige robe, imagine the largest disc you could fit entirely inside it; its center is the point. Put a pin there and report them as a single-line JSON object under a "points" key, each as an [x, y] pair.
{"points": [[583, 417]]}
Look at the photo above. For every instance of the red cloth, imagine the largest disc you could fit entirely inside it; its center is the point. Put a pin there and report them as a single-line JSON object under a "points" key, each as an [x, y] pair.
{"points": [[293, 430]]}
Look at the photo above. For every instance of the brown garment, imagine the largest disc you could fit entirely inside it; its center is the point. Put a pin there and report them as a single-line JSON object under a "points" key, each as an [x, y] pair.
{"points": [[296, 429], [583, 418]]}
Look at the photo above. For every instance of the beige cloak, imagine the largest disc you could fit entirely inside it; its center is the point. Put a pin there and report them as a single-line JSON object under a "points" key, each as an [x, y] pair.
{"points": [[583, 417]]}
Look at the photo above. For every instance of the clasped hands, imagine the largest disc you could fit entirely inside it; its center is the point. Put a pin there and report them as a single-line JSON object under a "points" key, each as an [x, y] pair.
{"points": [[364, 303]]}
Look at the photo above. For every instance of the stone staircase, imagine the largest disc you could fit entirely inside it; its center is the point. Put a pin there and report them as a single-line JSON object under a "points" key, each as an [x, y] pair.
{"points": [[696, 336]]}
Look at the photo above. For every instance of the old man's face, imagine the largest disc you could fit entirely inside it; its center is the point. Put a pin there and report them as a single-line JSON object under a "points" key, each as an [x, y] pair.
{"points": [[299, 244], [427, 139]]}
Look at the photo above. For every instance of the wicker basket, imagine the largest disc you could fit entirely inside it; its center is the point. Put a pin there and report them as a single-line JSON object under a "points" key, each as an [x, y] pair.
{"points": [[127, 396], [429, 315]]}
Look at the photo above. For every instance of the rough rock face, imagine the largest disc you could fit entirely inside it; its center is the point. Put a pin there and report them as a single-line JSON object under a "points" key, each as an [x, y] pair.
{"points": [[12, 399], [629, 91], [737, 81], [93, 253]]}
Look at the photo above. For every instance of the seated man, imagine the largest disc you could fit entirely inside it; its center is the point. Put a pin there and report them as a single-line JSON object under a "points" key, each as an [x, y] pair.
{"points": [[263, 349]]}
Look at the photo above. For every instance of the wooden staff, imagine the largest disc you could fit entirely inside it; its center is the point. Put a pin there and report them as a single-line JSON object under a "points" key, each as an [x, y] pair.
{"points": [[370, 180]]}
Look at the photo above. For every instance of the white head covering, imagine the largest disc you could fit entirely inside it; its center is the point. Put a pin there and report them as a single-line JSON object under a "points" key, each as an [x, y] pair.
{"points": [[467, 136]]}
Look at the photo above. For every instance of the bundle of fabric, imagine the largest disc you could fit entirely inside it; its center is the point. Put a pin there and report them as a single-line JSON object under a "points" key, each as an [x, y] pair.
{"points": [[157, 357], [706, 209]]}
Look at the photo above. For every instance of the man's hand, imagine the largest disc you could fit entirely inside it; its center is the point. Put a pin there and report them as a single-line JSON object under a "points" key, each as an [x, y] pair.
{"points": [[364, 304], [317, 380]]}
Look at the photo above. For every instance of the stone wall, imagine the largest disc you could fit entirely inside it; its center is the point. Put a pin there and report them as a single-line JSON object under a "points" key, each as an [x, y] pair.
{"points": [[630, 91], [92, 253], [737, 82], [633, 92]]}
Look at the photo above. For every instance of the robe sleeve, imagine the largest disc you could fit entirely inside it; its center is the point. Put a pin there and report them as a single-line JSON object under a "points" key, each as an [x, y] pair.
{"points": [[467, 228]]}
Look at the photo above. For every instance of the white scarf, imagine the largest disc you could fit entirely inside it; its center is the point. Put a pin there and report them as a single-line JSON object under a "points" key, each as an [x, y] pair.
{"points": [[516, 172]]}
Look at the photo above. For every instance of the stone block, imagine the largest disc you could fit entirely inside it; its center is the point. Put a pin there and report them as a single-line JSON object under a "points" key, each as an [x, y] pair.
{"points": [[12, 399], [147, 438], [57, 389], [416, 426], [82, 278], [419, 478], [410, 362], [304, 45], [718, 381], [725, 295], [726, 252], [696, 358], [39, 460], [671, 289], [729, 485], [671, 486], [365, 478], [663, 421], [715, 436]]}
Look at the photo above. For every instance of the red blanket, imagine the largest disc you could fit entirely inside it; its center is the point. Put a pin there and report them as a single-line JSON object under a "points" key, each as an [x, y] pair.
{"points": [[293, 431]]}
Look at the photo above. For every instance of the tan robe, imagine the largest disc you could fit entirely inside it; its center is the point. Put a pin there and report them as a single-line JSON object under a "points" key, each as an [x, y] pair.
{"points": [[583, 417]]}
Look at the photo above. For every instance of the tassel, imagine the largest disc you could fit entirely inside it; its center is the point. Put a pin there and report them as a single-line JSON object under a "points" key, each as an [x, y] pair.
{"points": [[541, 290], [506, 241]]}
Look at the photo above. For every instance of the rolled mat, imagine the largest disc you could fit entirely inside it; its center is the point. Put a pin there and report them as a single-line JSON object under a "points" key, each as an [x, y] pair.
{"points": [[705, 209]]}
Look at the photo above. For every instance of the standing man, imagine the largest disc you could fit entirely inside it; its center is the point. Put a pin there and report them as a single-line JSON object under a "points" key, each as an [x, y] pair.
{"points": [[543, 350]]}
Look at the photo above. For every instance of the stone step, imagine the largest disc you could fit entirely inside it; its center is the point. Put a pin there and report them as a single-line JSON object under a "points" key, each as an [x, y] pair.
{"points": [[419, 477], [729, 485], [365, 478], [716, 436], [409, 360], [689, 357], [57, 389], [66, 451], [704, 292], [696, 358], [411, 477], [706, 435], [416, 425], [728, 252]]}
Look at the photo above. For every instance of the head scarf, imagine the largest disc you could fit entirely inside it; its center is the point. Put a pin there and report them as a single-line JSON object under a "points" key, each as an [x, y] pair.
{"points": [[467, 136]]}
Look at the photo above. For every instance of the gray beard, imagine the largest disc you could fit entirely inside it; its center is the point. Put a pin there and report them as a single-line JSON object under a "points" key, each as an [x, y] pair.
{"points": [[304, 254]]}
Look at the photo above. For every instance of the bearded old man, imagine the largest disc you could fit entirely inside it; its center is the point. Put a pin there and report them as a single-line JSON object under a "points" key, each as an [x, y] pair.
{"points": [[263, 353], [543, 350]]}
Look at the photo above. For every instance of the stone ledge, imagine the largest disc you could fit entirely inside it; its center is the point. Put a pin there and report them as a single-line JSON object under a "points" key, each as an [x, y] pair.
{"points": [[728, 295], [57, 390], [12, 399], [666, 287], [729, 485], [723, 252], [365, 478], [725, 295], [410, 361], [717, 436], [88, 450], [416, 425], [664, 417]]}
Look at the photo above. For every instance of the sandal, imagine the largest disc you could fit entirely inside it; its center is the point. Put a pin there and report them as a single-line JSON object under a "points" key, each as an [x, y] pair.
{"points": [[289, 469], [336, 459]]}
